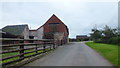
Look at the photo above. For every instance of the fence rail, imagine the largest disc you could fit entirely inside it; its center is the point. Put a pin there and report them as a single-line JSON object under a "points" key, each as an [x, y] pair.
{"points": [[17, 51]]}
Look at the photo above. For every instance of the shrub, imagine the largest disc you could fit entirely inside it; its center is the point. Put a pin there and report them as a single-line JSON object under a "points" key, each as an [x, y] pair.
{"points": [[98, 41], [114, 40]]}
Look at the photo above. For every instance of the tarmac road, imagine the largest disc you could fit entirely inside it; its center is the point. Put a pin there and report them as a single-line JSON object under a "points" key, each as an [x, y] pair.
{"points": [[73, 54]]}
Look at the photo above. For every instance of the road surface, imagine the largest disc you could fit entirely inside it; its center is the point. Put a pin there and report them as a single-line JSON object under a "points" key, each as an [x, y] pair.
{"points": [[74, 54]]}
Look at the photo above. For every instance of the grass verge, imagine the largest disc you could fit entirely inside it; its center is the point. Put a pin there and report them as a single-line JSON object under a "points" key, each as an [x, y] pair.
{"points": [[108, 51]]}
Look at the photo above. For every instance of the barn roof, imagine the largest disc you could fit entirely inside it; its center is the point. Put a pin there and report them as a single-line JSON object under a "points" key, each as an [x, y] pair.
{"points": [[53, 17], [14, 29]]}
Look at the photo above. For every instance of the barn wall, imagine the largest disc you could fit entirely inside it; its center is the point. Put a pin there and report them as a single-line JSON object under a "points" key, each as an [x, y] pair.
{"points": [[40, 33], [25, 33], [61, 26]]}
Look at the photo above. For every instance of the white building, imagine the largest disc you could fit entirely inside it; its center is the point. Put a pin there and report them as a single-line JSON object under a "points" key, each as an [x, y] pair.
{"points": [[36, 34]]}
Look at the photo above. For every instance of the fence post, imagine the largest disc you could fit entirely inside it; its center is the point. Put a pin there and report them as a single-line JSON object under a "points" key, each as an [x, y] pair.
{"points": [[58, 42], [44, 47], [36, 49], [50, 46], [54, 44], [21, 52]]}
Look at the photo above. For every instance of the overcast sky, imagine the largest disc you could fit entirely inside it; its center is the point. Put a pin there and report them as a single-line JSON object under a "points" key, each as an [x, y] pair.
{"points": [[80, 17]]}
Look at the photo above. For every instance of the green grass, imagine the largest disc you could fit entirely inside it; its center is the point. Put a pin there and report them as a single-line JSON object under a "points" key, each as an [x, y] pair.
{"points": [[108, 51], [17, 53], [7, 55]]}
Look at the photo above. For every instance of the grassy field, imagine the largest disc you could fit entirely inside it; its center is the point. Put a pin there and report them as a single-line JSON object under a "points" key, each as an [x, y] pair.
{"points": [[109, 51]]}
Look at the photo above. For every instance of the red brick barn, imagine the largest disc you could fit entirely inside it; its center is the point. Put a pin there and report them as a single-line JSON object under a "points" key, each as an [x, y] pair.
{"points": [[54, 28]]}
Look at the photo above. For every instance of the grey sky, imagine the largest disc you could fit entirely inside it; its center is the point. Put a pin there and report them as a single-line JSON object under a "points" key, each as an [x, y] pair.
{"points": [[80, 17]]}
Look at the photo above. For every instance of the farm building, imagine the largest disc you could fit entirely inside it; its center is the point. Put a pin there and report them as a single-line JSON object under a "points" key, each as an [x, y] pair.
{"points": [[6, 35], [33, 34], [54, 28], [37, 34], [21, 31], [82, 37]]}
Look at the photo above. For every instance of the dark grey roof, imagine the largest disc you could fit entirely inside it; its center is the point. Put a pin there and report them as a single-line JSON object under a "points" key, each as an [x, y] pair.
{"points": [[14, 29]]}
